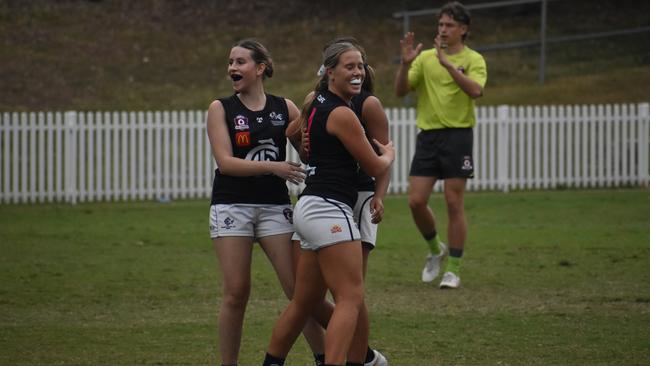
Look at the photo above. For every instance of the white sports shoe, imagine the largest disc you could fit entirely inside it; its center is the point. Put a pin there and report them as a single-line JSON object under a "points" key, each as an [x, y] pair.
{"points": [[379, 360], [450, 280], [434, 262]]}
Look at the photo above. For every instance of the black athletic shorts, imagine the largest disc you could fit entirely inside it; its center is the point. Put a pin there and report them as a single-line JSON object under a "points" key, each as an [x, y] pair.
{"points": [[444, 153]]}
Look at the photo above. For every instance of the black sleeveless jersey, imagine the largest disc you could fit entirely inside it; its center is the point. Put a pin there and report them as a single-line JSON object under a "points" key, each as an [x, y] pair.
{"points": [[257, 136], [332, 169], [364, 181]]}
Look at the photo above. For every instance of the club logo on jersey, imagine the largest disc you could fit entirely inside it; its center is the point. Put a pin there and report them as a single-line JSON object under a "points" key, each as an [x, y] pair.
{"points": [[228, 223], [277, 119], [467, 163], [266, 151], [461, 69], [288, 214], [260, 119], [243, 139], [336, 229], [241, 122], [320, 98]]}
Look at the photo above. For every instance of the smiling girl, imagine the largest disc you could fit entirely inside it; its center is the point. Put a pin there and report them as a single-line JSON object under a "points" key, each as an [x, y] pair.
{"points": [[331, 256]]}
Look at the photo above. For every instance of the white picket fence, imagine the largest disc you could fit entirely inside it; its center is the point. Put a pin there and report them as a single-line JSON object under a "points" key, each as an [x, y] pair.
{"points": [[110, 156]]}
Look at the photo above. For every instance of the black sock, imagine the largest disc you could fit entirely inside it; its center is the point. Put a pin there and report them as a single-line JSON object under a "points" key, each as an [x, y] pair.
{"points": [[370, 355], [430, 235], [353, 364], [319, 358], [453, 252], [273, 361]]}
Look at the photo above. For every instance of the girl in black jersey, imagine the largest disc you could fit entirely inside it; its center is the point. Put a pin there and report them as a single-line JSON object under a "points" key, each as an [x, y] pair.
{"points": [[368, 209], [332, 256], [250, 200]]}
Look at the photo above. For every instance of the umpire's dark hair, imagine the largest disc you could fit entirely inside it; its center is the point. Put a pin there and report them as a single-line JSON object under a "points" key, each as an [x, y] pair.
{"points": [[259, 54], [458, 12]]}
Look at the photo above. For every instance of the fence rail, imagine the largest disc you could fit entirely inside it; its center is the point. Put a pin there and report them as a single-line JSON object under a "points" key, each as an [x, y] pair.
{"points": [[110, 156]]}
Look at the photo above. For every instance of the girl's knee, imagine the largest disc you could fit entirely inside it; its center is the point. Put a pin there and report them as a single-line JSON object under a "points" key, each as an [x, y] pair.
{"points": [[236, 297]]}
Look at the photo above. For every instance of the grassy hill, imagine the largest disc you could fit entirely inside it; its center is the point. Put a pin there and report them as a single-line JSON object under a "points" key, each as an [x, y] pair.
{"points": [[155, 54]]}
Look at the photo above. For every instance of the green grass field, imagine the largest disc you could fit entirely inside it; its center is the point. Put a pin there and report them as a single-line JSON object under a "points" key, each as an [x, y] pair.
{"points": [[550, 278]]}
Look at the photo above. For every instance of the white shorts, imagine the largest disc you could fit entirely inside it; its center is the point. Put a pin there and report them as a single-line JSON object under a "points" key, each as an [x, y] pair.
{"points": [[363, 218], [256, 221], [321, 222]]}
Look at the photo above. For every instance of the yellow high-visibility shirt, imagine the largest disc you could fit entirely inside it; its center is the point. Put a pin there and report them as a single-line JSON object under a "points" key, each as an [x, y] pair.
{"points": [[441, 103]]}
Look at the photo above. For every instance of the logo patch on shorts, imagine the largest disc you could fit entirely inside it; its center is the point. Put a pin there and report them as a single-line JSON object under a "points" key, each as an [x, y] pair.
{"points": [[288, 214], [336, 229], [228, 223], [467, 163]]}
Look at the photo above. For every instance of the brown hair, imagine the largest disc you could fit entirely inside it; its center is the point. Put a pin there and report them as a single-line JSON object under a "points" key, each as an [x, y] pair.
{"points": [[259, 54], [369, 79], [331, 55], [457, 12]]}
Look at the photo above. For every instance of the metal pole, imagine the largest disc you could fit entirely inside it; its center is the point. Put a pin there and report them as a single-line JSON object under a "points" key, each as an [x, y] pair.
{"points": [[542, 46], [406, 24]]}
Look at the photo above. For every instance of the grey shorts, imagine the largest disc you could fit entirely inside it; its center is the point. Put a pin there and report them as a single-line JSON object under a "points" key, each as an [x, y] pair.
{"points": [[321, 222], [363, 218], [255, 221]]}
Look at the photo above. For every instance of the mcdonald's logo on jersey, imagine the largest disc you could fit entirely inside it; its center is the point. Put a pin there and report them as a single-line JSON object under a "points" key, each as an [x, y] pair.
{"points": [[243, 139]]}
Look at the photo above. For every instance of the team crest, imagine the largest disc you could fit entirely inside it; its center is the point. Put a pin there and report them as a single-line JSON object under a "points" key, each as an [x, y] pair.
{"points": [[241, 122], [277, 119], [228, 223], [467, 163], [336, 229], [288, 214]]}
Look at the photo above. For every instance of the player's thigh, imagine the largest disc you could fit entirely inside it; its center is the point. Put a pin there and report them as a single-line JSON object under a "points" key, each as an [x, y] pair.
{"points": [[234, 255], [420, 188], [279, 251], [341, 265], [310, 287]]}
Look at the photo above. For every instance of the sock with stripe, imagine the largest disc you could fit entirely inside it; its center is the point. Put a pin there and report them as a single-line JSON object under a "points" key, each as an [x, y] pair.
{"points": [[433, 241], [453, 262]]}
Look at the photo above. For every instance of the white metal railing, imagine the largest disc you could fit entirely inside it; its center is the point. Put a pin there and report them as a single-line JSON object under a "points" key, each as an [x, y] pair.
{"points": [[109, 156]]}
